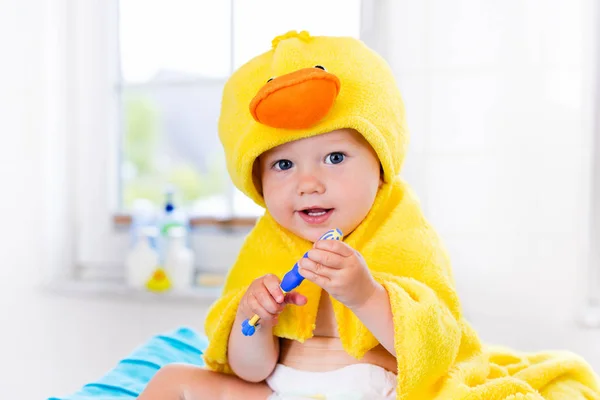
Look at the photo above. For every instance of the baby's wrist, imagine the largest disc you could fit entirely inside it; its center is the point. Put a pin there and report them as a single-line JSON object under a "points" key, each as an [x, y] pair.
{"points": [[370, 299]]}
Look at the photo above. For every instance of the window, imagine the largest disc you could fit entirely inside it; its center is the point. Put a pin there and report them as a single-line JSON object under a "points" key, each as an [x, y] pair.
{"points": [[175, 57], [144, 84]]}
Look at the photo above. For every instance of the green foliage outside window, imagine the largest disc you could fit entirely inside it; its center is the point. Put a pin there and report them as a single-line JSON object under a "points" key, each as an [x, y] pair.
{"points": [[142, 176]]}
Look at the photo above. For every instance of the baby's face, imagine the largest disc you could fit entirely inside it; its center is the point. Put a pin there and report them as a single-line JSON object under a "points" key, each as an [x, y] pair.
{"points": [[323, 182]]}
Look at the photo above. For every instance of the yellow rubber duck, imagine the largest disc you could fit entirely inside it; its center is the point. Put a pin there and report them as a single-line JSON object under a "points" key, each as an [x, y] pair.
{"points": [[159, 281]]}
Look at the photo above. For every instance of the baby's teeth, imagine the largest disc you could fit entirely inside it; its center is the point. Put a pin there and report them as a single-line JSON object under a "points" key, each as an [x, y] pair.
{"points": [[316, 214]]}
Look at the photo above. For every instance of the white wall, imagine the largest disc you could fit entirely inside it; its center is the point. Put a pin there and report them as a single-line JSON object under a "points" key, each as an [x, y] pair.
{"points": [[49, 345], [496, 98], [499, 157]]}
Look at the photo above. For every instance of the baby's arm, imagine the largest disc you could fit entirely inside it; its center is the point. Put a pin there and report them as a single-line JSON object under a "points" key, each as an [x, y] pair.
{"points": [[253, 358], [376, 314], [343, 273]]}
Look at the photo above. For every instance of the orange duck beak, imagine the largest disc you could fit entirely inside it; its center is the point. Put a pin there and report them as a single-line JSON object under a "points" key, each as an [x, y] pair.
{"points": [[297, 100]]}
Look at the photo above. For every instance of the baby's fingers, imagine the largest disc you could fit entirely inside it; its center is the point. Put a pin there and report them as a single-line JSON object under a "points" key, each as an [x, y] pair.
{"points": [[266, 300], [272, 284], [255, 306], [295, 298], [319, 280]]}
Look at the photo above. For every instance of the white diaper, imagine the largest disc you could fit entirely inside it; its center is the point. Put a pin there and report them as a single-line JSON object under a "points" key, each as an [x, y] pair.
{"points": [[353, 382]]}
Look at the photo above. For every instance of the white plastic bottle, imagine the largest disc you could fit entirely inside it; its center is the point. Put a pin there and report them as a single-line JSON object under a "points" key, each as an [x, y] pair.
{"points": [[179, 259], [142, 260], [170, 217]]}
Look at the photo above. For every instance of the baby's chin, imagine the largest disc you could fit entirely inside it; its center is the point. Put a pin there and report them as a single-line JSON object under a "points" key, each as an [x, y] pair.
{"points": [[314, 234], [305, 234]]}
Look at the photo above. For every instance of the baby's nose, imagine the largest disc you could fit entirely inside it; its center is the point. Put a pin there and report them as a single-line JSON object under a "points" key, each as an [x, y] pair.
{"points": [[310, 184], [297, 100]]}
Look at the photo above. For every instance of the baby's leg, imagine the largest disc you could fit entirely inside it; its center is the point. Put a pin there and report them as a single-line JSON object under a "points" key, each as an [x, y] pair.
{"points": [[185, 382]]}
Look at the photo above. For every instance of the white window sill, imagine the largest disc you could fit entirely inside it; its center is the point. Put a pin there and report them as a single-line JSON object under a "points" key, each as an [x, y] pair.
{"points": [[114, 289]]}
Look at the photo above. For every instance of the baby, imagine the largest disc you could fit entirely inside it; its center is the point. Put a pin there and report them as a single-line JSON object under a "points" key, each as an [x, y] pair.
{"points": [[314, 131]]}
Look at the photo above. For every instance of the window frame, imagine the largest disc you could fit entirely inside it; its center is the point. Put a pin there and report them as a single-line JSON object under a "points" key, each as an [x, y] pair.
{"points": [[591, 314]]}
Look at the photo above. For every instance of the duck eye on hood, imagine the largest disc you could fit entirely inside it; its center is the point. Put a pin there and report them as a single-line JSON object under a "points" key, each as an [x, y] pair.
{"points": [[316, 66]]}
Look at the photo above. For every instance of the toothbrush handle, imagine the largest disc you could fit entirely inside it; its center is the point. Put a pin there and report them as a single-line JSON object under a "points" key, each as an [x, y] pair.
{"points": [[291, 280]]}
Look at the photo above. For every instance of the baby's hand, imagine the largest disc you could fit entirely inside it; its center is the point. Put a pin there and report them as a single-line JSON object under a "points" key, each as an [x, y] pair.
{"points": [[265, 298], [340, 270]]}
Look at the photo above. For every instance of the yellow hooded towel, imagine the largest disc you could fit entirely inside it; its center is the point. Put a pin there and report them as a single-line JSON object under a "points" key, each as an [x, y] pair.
{"points": [[306, 86]]}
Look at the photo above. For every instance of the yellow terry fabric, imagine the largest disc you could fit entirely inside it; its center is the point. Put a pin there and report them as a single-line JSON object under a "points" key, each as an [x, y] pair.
{"points": [[439, 354]]}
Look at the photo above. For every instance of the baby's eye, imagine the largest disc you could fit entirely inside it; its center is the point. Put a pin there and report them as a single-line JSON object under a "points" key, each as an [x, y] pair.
{"points": [[270, 79], [334, 158], [320, 67], [283, 165]]}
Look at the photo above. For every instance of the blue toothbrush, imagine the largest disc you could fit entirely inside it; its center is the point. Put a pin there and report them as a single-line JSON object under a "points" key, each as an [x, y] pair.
{"points": [[291, 280]]}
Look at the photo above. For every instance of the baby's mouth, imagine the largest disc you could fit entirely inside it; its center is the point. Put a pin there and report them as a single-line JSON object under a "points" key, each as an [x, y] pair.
{"points": [[315, 215], [315, 211]]}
